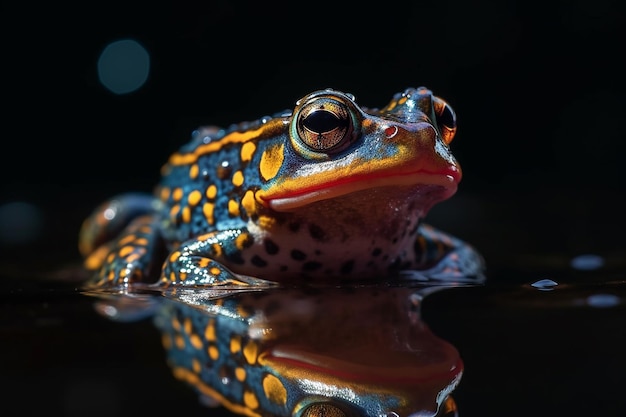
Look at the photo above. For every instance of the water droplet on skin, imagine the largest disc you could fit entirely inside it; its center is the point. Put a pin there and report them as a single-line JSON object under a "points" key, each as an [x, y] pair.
{"points": [[545, 284], [603, 300], [587, 262]]}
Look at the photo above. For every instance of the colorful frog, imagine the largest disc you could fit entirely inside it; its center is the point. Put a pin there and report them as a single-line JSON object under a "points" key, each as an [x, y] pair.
{"points": [[328, 192]]}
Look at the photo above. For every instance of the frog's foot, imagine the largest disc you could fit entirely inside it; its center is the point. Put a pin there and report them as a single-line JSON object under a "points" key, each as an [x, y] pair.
{"points": [[126, 260], [110, 218], [192, 265], [446, 259]]}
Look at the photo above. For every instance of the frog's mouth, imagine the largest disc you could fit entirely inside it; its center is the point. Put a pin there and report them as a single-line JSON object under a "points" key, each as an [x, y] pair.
{"points": [[445, 184]]}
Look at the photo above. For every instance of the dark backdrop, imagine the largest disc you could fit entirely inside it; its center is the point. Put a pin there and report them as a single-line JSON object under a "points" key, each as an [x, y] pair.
{"points": [[538, 90]]}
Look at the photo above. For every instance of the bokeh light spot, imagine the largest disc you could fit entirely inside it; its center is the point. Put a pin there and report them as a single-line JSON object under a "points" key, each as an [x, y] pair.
{"points": [[603, 300], [20, 223], [123, 66], [587, 262]]}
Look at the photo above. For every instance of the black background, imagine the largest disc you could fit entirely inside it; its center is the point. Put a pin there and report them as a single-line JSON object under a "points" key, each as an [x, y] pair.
{"points": [[538, 90]]}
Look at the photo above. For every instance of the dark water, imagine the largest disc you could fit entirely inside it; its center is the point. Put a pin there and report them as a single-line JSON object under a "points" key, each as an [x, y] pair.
{"points": [[545, 335]]}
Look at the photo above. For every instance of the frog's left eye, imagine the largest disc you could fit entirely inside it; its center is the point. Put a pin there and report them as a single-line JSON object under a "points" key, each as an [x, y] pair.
{"points": [[325, 124], [323, 410], [446, 119]]}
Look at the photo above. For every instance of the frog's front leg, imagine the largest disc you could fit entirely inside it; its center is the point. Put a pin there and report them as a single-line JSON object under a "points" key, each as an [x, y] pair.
{"points": [[193, 264], [443, 257]]}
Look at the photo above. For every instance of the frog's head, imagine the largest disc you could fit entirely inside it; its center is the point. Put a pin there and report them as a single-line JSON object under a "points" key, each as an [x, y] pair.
{"points": [[336, 148]]}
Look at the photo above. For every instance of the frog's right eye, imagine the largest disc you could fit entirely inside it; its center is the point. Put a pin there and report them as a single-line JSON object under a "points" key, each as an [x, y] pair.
{"points": [[324, 124]]}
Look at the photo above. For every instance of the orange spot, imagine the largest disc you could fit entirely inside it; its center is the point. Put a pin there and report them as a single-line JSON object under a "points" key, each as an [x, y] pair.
{"points": [[217, 249], [166, 341], [180, 342], [233, 208], [186, 214], [274, 390], [126, 239], [194, 197], [204, 262], [187, 325], [174, 256], [193, 171], [195, 366], [214, 353], [402, 100], [142, 241], [271, 161], [248, 203], [174, 211], [145, 229], [215, 271], [165, 193], [240, 374], [238, 178], [126, 250], [207, 209], [235, 344], [132, 257], [211, 191], [209, 332], [250, 400], [243, 241], [250, 352], [266, 222], [96, 259], [196, 341], [247, 150], [177, 194]]}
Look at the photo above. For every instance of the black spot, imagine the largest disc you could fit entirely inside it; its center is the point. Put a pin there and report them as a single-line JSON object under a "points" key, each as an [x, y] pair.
{"points": [[311, 266], [258, 261], [236, 258], [347, 266], [298, 255], [294, 227], [316, 232], [376, 251], [270, 247]]}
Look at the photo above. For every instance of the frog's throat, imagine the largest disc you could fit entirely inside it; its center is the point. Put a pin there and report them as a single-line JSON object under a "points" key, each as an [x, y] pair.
{"points": [[447, 185]]}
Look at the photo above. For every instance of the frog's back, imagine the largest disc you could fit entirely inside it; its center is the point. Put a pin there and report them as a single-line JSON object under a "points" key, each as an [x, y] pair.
{"points": [[205, 183]]}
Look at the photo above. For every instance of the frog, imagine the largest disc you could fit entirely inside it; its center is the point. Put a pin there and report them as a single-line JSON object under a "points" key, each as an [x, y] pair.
{"points": [[328, 191]]}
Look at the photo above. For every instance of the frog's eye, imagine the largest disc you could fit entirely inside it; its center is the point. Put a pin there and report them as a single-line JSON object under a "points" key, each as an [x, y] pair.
{"points": [[323, 410], [324, 124], [446, 119]]}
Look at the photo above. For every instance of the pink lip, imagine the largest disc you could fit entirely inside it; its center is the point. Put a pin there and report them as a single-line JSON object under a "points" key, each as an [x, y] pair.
{"points": [[447, 179]]}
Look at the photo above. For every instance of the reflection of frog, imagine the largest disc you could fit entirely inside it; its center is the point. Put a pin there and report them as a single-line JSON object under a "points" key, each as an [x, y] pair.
{"points": [[329, 191], [339, 352]]}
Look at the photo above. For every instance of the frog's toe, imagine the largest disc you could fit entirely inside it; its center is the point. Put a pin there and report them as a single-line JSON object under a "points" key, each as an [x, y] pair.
{"points": [[196, 271], [463, 264]]}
